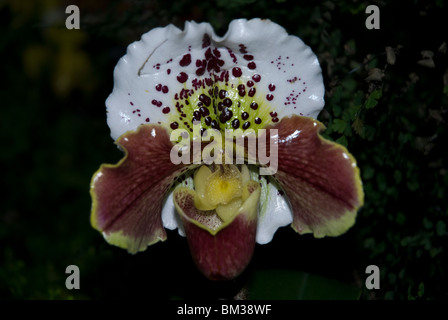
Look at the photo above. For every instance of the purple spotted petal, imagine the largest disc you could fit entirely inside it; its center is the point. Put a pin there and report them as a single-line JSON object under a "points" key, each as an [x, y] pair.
{"points": [[251, 77]]}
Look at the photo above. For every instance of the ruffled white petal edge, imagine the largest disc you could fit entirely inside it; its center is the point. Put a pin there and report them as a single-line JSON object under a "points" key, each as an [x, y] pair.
{"points": [[283, 61]]}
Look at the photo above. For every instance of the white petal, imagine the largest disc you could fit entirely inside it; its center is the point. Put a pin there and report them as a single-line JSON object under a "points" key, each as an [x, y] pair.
{"points": [[290, 72], [285, 61], [274, 210], [276, 214], [170, 218]]}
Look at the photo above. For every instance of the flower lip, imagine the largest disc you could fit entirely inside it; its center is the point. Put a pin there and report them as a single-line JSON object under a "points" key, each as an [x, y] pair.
{"points": [[210, 220], [220, 249]]}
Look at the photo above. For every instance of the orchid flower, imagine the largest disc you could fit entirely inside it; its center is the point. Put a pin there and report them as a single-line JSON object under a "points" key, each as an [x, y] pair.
{"points": [[256, 77]]}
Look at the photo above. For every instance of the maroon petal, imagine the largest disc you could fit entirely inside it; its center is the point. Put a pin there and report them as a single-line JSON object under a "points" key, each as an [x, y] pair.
{"points": [[128, 197], [221, 252], [320, 178]]}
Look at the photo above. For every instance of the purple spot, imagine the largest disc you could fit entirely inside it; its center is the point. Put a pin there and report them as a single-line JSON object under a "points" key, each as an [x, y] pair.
{"points": [[206, 41], [222, 94], [165, 89], [271, 87], [205, 99], [166, 110], [215, 124], [237, 72], [232, 55], [226, 115], [156, 103], [147, 119], [269, 97], [200, 72], [227, 102], [204, 111], [248, 57], [217, 53], [182, 77], [252, 65], [256, 77], [196, 115], [242, 90], [185, 61], [252, 92], [159, 87]]}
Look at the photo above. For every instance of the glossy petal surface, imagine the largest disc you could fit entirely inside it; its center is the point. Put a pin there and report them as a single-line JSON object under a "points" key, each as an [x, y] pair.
{"points": [[319, 177], [128, 197]]}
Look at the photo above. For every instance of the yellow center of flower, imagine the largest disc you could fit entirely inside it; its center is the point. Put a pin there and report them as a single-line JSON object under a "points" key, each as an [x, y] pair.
{"points": [[221, 189]]}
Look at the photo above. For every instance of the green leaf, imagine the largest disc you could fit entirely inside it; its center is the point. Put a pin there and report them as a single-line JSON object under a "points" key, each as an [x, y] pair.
{"points": [[421, 290], [369, 132], [413, 185], [427, 223], [358, 126], [367, 172], [400, 218], [353, 111], [381, 181], [337, 110], [339, 125], [276, 284], [349, 85], [441, 228], [372, 100], [397, 176]]}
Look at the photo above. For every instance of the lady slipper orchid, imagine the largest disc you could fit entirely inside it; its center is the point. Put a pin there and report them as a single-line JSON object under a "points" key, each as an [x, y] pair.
{"points": [[173, 90]]}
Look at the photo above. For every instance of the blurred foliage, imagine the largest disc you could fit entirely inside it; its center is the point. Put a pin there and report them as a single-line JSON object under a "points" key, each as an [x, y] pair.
{"points": [[386, 99], [275, 284]]}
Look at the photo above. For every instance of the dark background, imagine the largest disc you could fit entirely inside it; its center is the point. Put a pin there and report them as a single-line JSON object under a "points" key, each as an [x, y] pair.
{"points": [[392, 117]]}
